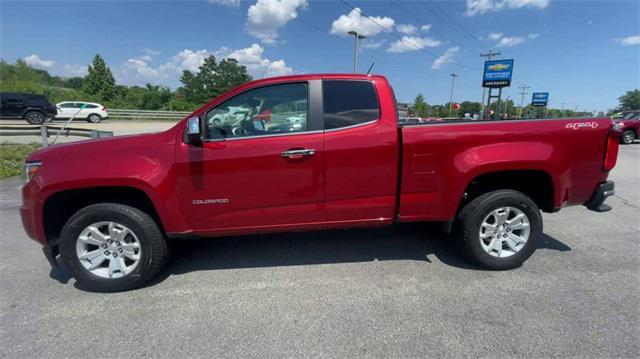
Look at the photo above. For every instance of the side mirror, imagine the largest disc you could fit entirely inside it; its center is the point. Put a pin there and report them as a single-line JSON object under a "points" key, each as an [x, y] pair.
{"points": [[194, 135]]}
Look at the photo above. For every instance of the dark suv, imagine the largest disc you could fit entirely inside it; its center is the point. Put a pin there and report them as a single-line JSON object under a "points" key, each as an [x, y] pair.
{"points": [[36, 109]]}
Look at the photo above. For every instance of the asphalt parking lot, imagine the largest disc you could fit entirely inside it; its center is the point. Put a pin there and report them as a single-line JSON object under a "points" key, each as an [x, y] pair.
{"points": [[398, 292]]}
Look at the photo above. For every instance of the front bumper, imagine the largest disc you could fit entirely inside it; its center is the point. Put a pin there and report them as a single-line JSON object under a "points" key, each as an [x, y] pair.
{"points": [[604, 190]]}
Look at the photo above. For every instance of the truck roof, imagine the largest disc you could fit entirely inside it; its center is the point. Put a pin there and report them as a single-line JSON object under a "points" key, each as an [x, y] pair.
{"points": [[318, 76]]}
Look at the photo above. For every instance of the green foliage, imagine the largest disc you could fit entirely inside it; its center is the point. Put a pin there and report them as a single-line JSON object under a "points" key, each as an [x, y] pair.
{"points": [[20, 77], [12, 158], [99, 80], [629, 101], [213, 79], [420, 107]]}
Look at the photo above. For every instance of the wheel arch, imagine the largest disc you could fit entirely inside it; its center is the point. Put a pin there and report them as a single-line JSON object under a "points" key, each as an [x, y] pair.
{"points": [[60, 206], [537, 184]]}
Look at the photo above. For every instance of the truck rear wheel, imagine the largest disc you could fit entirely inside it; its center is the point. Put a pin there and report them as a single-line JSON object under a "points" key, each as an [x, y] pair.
{"points": [[627, 137], [499, 229], [110, 247]]}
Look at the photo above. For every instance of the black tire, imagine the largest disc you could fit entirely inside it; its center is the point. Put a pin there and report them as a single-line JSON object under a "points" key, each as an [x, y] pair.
{"points": [[154, 253], [94, 118], [35, 117], [474, 213], [627, 137]]}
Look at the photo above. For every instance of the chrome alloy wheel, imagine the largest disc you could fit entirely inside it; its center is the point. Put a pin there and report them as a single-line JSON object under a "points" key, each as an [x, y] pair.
{"points": [[628, 136], [504, 232], [108, 249]]}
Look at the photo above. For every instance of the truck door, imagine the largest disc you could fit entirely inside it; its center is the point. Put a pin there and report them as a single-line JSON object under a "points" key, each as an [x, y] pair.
{"points": [[261, 162], [361, 151]]}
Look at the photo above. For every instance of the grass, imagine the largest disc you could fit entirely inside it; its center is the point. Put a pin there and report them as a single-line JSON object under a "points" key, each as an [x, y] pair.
{"points": [[12, 158]]}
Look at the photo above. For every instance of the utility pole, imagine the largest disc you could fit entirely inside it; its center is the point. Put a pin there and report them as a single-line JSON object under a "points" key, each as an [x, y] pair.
{"points": [[453, 78], [488, 55], [523, 93], [358, 37]]}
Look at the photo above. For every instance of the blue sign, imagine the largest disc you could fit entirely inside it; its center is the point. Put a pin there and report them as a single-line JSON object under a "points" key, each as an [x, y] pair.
{"points": [[539, 99], [497, 73]]}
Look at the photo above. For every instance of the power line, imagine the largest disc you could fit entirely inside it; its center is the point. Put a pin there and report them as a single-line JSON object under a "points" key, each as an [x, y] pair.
{"points": [[400, 37], [423, 21], [461, 29]]}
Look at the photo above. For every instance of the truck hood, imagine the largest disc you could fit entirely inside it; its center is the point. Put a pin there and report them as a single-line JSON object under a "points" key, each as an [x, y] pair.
{"points": [[97, 149]]}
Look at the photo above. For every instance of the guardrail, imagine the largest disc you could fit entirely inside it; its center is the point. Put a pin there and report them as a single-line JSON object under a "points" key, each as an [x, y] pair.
{"points": [[46, 131], [146, 114]]}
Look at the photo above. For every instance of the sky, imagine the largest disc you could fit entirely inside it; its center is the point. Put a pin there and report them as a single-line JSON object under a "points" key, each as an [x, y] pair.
{"points": [[585, 53]]}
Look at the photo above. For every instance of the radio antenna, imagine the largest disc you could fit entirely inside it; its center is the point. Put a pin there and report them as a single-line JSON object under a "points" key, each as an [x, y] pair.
{"points": [[370, 67]]}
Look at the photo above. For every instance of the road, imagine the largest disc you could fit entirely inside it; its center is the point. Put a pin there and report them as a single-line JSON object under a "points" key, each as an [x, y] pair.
{"points": [[395, 292], [118, 127]]}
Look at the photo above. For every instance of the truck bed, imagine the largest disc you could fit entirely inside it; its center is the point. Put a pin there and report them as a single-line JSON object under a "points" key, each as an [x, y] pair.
{"points": [[441, 160]]}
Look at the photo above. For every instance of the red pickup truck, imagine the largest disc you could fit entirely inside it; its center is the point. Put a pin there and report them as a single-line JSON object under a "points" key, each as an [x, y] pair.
{"points": [[308, 152]]}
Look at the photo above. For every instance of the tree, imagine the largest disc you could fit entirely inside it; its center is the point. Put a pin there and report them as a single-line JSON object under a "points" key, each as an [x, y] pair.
{"points": [[469, 107], [420, 107], [99, 80], [212, 79], [629, 101]]}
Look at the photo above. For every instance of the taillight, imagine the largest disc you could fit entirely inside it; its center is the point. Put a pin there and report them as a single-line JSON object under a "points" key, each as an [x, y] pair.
{"points": [[104, 109], [611, 152]]}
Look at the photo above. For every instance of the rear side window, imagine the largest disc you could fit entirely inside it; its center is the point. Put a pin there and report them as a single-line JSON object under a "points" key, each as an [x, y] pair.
{"points": [[348, 103]]}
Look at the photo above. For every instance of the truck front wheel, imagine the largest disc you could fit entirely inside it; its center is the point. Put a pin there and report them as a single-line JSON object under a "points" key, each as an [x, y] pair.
{"points": [[499, 229], [110, 247]]}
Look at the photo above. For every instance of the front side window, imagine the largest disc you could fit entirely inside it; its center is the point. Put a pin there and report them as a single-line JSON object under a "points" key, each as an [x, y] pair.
{"points": [[275, 109], [348, 103]]}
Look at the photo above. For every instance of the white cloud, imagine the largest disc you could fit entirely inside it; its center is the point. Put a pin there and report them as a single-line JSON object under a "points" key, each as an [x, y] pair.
{"points": [[495, 36], [151, 52], [229, 3], [55, 69], [142, 68], [446, 58], [265, 17], [629, 40], [187, 60], [425, 27], [479, 7], [368, 44], [407, 29], [509, 41], [355, 22], [139, 70], [35, 61], [412, 43], [70, 70], [257, 65]]}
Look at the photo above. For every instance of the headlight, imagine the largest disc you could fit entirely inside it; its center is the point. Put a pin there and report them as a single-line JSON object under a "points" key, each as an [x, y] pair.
{"points": [[30, 170]]}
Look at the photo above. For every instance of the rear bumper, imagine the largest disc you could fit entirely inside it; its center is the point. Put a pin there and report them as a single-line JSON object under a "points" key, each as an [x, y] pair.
{"points": [[602, 192]]}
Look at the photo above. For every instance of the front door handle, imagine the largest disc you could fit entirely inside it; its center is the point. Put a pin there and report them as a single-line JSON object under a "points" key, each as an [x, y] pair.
{"points": [[298, 153]]}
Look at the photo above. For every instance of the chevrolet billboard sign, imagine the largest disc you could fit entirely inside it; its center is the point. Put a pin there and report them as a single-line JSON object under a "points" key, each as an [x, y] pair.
{"points": [[497, 73]]}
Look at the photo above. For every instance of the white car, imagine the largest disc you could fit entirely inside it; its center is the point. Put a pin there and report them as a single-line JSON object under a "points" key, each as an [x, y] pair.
{"points": [[89, 111]]}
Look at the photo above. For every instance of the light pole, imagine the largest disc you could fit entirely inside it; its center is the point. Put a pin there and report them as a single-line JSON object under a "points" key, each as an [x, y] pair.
{"points": [[358, 37], [453, 78], [506, 105]]}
